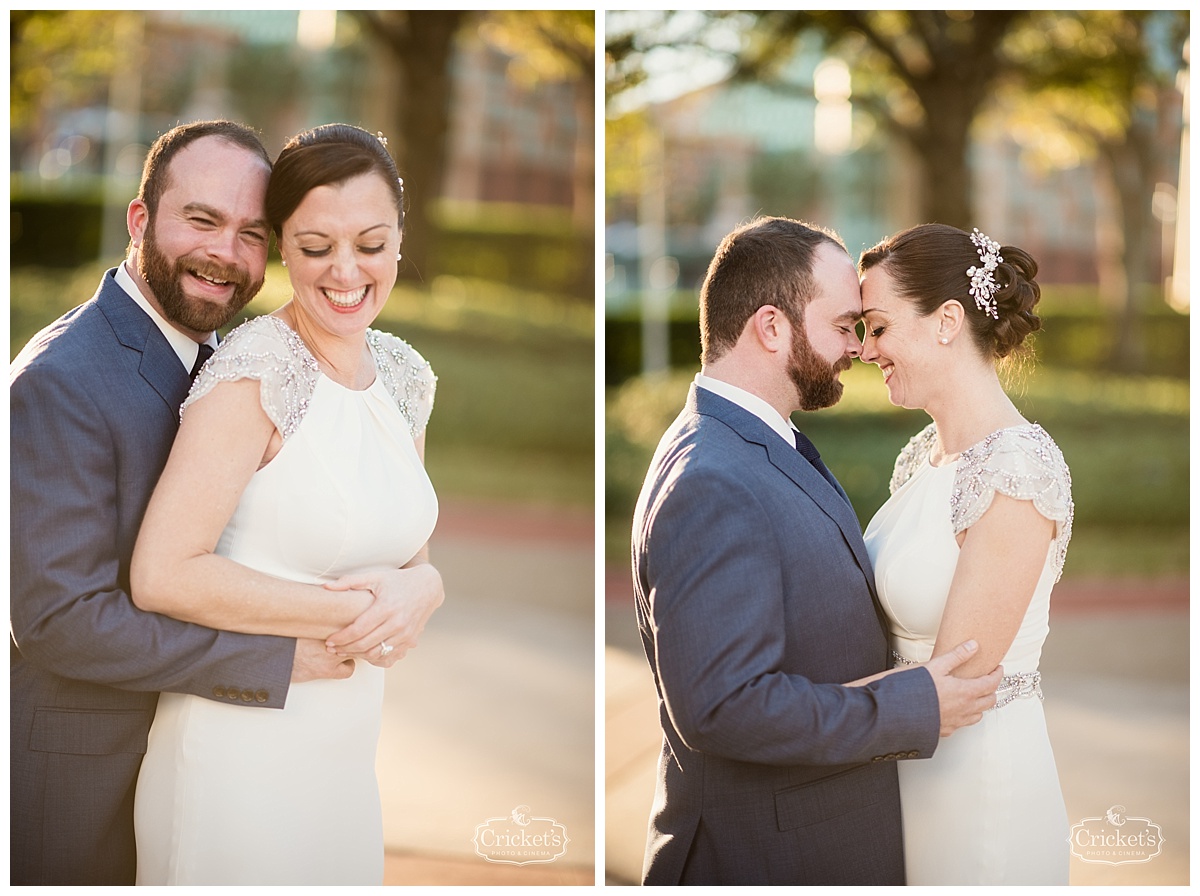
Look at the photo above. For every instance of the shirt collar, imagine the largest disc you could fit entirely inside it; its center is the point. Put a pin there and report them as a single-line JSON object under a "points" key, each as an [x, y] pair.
{"points": [[183, 345], [752, 403]]}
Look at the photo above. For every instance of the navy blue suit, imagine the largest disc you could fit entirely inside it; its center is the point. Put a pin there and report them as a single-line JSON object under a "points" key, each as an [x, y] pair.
{"points": [[755, 600], [94, 409]]}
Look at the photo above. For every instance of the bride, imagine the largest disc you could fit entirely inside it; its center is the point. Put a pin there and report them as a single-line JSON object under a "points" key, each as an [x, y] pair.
{"points": [[295, 502], [969, 545]]}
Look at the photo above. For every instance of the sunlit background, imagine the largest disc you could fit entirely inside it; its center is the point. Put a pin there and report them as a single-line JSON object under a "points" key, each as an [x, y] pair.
{"points": [[491, 119], [1064, 133]]}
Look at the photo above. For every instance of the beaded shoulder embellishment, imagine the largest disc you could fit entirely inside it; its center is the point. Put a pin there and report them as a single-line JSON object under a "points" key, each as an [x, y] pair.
{"points": [[915, 453], [1022, 462], [268, 350], [407, 377]]}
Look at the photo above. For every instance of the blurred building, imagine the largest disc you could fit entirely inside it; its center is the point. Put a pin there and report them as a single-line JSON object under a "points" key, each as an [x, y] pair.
{"points": [[510, 143]]}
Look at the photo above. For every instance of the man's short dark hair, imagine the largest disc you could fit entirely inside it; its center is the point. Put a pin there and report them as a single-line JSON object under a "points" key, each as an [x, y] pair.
{"points": [[167, 146], [765, 262]]}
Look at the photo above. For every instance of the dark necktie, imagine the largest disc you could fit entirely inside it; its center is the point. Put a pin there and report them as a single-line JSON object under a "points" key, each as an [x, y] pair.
{"points": [[805, 446], [204, 354]]}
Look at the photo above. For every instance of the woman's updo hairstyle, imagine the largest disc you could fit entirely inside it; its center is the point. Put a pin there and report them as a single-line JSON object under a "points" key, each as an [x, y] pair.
{"points": [[928, 265], [329, 154]]}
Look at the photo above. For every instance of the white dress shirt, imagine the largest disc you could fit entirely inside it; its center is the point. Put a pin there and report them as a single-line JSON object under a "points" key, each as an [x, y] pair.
{"points": [[752, 403], [185, 347]]}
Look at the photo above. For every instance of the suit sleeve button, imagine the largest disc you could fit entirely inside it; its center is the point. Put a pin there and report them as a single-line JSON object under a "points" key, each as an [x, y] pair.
{"points": [[247, 696], [219, 691], [262, 696]]}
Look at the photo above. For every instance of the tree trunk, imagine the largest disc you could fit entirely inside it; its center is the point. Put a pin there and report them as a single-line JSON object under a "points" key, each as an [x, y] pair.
{"points": [[1131, 165], [950, 92], [422, 44], [946, 191]]}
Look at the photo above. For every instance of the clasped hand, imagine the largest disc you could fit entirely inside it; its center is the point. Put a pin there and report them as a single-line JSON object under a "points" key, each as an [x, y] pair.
{"points": [[403, 601], [961, 701]]}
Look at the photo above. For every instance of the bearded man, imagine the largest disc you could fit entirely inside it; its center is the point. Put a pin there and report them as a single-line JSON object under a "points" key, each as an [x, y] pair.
{"points": [[94, 403], [756, 602]]}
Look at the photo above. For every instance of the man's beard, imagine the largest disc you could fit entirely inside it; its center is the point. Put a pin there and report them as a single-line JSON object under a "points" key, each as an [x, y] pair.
{"points": [[166, 281], [815, 378]]}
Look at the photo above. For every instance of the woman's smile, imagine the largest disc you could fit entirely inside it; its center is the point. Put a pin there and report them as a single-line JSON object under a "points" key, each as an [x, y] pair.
{"points": [[346, 300]]}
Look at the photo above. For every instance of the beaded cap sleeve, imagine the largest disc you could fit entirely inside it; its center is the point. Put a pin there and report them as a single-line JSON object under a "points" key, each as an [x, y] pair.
{"points": [[915, 453], [1022, 462], [268, 350], [407, 376]]}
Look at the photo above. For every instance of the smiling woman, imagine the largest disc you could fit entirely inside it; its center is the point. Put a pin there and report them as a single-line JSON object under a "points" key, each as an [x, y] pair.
{"points": [[340, 247], [295, 503], [969, 545]]}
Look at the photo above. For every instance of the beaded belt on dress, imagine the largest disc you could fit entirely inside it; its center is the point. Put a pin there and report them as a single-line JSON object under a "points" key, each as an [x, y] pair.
{"points": [[1023, 684]]}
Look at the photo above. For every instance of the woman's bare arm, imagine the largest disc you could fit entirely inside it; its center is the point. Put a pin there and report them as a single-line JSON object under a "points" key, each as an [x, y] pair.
{"points": [[1001, 559], [221, 443]]}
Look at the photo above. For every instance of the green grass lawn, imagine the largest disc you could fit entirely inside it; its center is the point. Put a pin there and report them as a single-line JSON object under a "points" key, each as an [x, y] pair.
{"points": [[514, 417], [1124, 438]]}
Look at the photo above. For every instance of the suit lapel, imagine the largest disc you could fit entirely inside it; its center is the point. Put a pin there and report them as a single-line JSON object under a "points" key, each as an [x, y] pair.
{"points": [[833, 501], [159, 366], [792, 464]]}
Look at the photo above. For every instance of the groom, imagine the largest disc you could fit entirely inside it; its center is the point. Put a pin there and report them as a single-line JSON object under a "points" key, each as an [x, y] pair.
{"points": [[94, 407], [756, 604]]}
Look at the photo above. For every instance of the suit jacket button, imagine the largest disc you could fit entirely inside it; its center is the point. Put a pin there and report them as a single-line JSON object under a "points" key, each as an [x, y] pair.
{"points": [[262, 696], [219, 691]]}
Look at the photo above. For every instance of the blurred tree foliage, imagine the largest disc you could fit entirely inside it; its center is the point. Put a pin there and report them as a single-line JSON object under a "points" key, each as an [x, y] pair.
{"points": [[923, 74], [56, 59], [928, 77], [1101, 83], [66, 60]]}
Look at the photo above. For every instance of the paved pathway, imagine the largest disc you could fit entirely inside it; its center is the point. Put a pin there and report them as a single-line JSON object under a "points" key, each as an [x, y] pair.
{"points": [[495, 709], [1115, 673]]}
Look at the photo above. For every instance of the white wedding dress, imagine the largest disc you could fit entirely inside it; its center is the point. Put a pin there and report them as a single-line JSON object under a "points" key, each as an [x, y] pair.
{"points": [[987, 808], [238, 794]]}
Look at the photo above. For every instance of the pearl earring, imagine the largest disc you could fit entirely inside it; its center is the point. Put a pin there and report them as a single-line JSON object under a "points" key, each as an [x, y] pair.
{"points": [[284, 262], [944, 341]]}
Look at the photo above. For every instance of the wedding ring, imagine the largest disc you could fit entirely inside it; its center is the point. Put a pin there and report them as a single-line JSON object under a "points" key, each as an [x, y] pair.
{"points": [[385, 648]]}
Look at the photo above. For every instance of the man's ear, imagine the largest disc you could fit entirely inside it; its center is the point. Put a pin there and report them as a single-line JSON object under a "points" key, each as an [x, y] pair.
{"points": [[771, 328], [137, 219]]}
